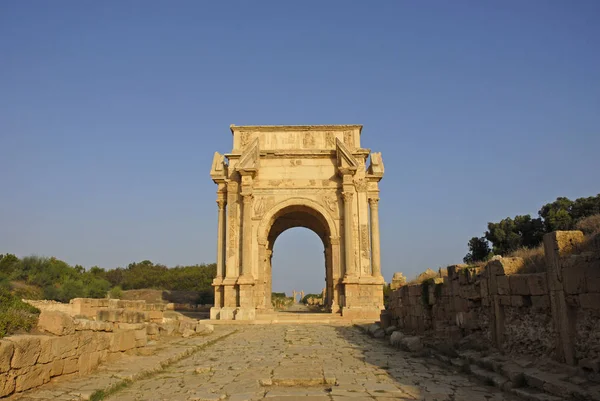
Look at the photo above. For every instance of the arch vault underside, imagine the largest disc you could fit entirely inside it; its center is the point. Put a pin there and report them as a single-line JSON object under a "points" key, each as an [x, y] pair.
{"points": [[280, 177]]}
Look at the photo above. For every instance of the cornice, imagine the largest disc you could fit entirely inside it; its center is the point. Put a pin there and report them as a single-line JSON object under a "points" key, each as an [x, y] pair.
{"points": [[288, 128]]}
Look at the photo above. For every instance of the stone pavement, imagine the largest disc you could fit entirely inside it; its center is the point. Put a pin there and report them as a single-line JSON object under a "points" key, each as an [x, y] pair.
{"points": [[312, 362]]}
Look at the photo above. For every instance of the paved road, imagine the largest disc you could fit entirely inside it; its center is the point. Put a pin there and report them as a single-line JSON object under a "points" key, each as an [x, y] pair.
{"points": [[308, 362]]}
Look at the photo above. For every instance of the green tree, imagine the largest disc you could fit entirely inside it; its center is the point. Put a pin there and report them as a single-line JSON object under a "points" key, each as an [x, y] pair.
{"points": [[479, 250], [557, 215], [511, 234]]}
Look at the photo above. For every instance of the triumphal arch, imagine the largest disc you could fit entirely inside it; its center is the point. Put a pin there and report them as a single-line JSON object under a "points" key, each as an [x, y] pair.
{"points": [[280, 177]]}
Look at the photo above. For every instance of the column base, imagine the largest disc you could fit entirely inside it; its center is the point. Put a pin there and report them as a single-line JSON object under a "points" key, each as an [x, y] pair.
{"points": [[215, 313], [245, 314], [227, 313]]}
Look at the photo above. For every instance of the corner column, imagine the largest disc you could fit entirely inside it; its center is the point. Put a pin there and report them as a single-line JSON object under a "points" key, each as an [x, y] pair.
{"points": [[221, 231], [247, 307], [375, 244], [348, 243]]}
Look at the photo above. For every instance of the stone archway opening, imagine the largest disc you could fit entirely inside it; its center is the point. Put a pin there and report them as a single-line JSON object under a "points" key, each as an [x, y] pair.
{"points": [[297, 216]]}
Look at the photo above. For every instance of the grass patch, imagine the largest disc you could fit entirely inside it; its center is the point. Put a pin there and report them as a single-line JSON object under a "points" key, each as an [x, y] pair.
{"points": [[16, 316], [534, 259]]}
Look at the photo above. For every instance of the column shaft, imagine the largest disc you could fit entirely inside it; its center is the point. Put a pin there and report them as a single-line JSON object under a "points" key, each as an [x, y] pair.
{"points": [[247, 233], [375, 244], [221, 240], [348, 243]]}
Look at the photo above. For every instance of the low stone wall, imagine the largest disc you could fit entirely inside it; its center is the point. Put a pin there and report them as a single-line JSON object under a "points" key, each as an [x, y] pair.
{"points": [[28, 361], [556, 313], [76, 346]]}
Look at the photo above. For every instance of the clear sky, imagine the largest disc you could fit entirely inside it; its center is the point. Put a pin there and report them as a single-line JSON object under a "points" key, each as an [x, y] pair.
{"points": [[110, 113]]}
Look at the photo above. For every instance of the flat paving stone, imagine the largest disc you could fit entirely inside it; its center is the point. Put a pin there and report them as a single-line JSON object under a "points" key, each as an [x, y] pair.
{"points": [[308, 362]]}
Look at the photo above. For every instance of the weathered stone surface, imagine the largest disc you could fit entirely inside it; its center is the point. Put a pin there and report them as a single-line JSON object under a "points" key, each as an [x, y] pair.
{"points": [[519, 284], [590, 301], [411, 343], [504, 266], [57, 323], [7, 384], [152, 329], [188, 333], [122, 341], [33, 376], [26, 351], [537, 284], [6, 352], [389, 330], [317, 362], [204, 328], [395, 338], [88, 362], [503, 285]]}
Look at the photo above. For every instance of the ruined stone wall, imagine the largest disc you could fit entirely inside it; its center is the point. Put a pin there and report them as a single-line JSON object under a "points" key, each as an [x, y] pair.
{"points": [[556, 313], [81, 335], [28, 361]]}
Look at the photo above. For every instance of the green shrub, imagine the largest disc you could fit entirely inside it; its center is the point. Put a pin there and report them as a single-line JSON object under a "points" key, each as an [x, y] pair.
{"points": [[116, 293], [15, 315]]}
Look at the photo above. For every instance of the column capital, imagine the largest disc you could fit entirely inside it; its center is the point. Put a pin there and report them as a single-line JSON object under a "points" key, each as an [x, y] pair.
{"points": [[221, 203], [247, 196], [374, 202], [334, 240], [347, 196]]}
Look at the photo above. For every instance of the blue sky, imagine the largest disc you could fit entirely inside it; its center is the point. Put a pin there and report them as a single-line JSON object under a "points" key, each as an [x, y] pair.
{"points": [[110, 113]]}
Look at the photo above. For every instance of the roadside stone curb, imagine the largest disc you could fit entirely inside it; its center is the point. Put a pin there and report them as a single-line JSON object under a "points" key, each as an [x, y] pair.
{"points": [[520, 378], [111, 377]]}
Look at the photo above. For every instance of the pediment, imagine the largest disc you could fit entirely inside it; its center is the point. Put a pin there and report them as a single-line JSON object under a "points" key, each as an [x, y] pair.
{"points": [[346, 163], [250, 158], [376, 168], [218, 170]]}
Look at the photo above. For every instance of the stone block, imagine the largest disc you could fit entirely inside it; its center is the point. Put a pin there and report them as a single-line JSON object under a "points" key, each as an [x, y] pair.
{"points": [[70, 366], [574, 280], [390, 329], [89, 361], [540, 302], [517, 300], [395, 338], [519, 284], [57, 367], [590, 301], [504, 266], [537, 283], [26, 351], [152, 329], [155, 315], [188, 333], [55, 322], [141, 338], [33, 376], [6, 352], [411, 343], [86, 342], [414, 290], [122, 341], [503, 285], [504, 300], [204, 328], [169, 327], [592, 283], [7, 384], [187, 325]]}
